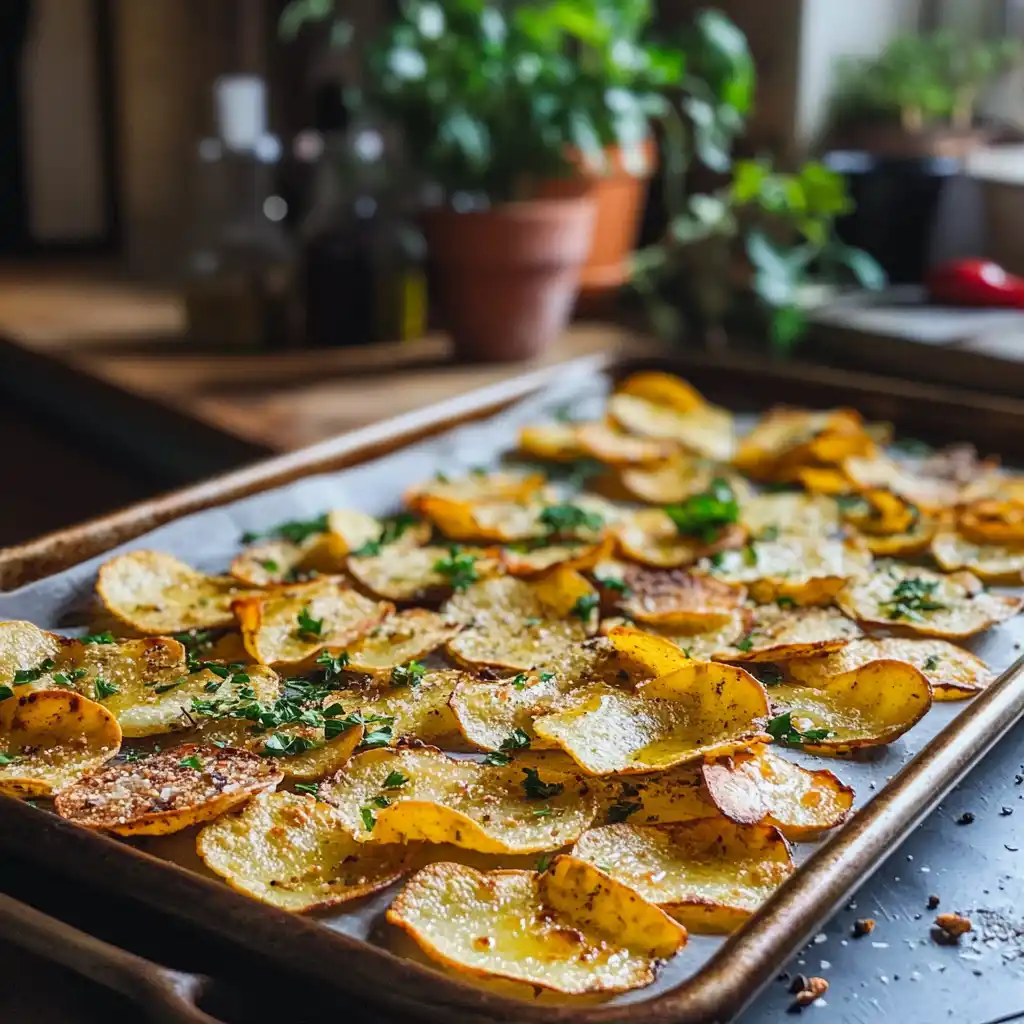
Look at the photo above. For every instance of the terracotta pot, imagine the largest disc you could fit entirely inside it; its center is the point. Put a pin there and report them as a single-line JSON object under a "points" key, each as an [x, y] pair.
{"points": [[508, 276], [619, 198]]}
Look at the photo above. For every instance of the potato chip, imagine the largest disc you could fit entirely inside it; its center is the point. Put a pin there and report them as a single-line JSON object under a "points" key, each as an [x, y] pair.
{"points": [[993, 563], [290, 626], [678, 794], [760, 786], [707, 431], [167, 791], [645, 655], [950, 607], [880, 472], [674, 598], [669, 482], [349, 529], [790, 512], [699, 646], [700, 709], [477, 487], [415, 704], [292, 852], [710, 874], [571, 929], [869, 706], [607, 444], [993, 522], [556, 442], [156, 593], [535, 560], [650, 537], [663, 389], [807, 570], [24, 648], [485, 522], [522, 624], [780, 634], [274, 561], [952, 672], [407, 636], [824, 480], [51, 738], [399, 574], [411, 795]]}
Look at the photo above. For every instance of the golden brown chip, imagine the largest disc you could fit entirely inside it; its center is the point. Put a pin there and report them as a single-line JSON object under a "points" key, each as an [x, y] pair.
{"points": [[879, 472], [290, 626], [678, 794], [993, 522], [869, 706], [51, 738], [521, 624], [650, 537], [710, 874], [701, 709], [556, 442], [669, 482], [293, 852], [156, 593], [478, 487], [571, 929], [790, 512], [273, 561], [806, 570], [993, 563], [24, 650], [167, 791], [699, 646], [950, 607], [674, 598], [535, 560], [350, 529], [604, 442], [707, 430], [401, 574], [485, 522], [952, 672], [780, 634], [407, 636], [758, 785], [412, 795], [663, 389]]}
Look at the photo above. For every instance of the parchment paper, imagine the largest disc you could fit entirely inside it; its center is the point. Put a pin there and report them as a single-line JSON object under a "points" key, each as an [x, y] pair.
{"points": [[211, 538]]}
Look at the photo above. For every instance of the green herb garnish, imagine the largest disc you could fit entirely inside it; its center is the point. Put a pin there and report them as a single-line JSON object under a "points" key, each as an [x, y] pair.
{"points": [[309, 628], [518, 739], [931, 664], [519, 681], [785, 602], [191, 762], [584, 605], [408, 675], [333, 665], [782, 730], [622, 810], [459, 568], [104, 689], [105, 637], [30, 675], [911, 597], [705, 515], [312, 788], [8, 759], [270, 565], [294, 530], [544, 861], [536, 788], [611, 583], [369, 818], [395, 780], [746, 643], [6, 692], [545, 676], [567, 518]]}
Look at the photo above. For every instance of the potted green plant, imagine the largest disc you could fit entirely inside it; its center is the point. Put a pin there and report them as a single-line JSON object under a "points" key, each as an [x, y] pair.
{"points": [[758, 241]]}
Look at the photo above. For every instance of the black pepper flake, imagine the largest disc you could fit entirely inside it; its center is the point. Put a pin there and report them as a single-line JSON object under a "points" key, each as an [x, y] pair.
{"points": [[1012, 849], [1006, 811], [967, 818], [933, 901]]}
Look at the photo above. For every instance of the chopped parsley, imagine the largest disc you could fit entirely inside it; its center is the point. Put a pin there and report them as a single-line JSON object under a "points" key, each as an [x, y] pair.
{"points": [[197, 642], [30, 675], [129, 755], [8, 759], [270, 565], [69, 678], [408, 675], [519, 681], [333, 665], [543, 812], [768, 675], [191, 762], [544, 861], [294, 530], [546, 676], [396, 526], [104, 689], [611, 583], [911, 597], [459, 568], [105, 637], [705, 515], [369, 818], [782, 730], [518, 739], [567, 518], [312, 788], [931, 664], [381, 801], [622, 810], [718, 559], [785, 602], [536, 788], [6, 692], [750, 555], [395, 780], [584, 605], [381, 736], [309, 628], [747, 642]]}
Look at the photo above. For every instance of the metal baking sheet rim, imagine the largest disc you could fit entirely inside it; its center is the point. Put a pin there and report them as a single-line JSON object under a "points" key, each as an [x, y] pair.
{"points": [[729, 980]]}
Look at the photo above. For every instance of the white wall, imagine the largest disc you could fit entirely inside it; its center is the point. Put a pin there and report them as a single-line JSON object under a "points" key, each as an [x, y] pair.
{"points": [[831, 29], [62, 123]]}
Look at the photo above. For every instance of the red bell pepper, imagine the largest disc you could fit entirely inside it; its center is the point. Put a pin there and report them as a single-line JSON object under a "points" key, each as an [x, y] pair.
{"points": [[975, 283]]}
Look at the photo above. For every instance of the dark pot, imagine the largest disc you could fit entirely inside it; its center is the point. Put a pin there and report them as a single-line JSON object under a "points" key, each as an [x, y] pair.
{"points": [[897, 206]]}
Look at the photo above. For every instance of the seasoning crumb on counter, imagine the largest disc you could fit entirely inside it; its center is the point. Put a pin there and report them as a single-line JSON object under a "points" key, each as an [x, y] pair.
{"points": [[952, 926], [813, 990], [967, 818], [933, 901], [1006, 811], [863, 926]]}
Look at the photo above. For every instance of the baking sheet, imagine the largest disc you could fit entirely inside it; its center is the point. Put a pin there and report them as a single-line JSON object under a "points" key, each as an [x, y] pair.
{"points": [[209, 540]]}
